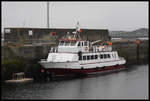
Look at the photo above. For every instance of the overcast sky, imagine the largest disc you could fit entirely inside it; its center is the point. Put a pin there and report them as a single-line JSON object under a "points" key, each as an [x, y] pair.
{"points": [[94, 15]]}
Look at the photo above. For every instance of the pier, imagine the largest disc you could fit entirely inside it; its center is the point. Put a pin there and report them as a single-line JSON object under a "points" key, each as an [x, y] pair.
{"points": [[21, 53], [28, 57]]}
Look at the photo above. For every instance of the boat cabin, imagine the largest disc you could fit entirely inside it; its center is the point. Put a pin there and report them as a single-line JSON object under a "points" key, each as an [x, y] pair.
{"points": [[73, 46]]}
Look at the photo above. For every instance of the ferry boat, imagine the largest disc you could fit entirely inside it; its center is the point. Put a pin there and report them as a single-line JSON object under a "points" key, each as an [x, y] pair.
{"points": [[74, 56]]}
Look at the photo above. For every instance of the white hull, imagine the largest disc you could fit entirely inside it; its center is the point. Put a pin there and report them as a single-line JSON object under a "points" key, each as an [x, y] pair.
{"points": [[86, 64]]}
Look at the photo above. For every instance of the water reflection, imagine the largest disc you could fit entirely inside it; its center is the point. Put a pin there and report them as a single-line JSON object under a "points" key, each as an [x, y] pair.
{"points": [[127, 84]]}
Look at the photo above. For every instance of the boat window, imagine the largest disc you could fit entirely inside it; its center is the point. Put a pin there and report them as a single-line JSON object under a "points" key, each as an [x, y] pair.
{"points": [[61, 43], [84, 57], [67, 43], [96, 56], [73, 43], [85, 43], [88, 57], [82, 43], [92, 57], [108, 56], [101, 56], [79, 44], [105, 56]]}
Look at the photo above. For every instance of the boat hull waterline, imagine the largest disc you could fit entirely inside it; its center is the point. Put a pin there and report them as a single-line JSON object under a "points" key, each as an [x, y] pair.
{"points": [[58, 72]]}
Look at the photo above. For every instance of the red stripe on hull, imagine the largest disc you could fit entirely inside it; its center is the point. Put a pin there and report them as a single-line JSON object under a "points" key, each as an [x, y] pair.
{"points": [[67, 72]]}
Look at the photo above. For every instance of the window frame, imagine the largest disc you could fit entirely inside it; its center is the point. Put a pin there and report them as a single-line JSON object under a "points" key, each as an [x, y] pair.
{"points": [[88, 57], [85, 43], [108, 56], [67, 43], [96, 56], [105, 56], [84, 57], [72, 43], [82, 43], [92, 57], [101, 56], [79, 43]]}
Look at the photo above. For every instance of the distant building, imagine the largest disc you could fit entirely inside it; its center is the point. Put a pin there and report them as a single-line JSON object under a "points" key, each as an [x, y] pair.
{"points": [[144, 38], [28, 35], [116, 38]]}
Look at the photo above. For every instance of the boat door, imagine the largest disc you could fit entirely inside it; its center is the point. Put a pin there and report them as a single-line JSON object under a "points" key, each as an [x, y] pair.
{"points": [[83, 46], [80, 46]]}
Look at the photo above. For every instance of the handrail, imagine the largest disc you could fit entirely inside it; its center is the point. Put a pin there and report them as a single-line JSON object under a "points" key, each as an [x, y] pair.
{"points": [[54, 50], [96, 41]]}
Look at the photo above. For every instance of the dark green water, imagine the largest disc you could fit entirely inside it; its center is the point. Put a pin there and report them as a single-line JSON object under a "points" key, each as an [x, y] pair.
{"points": [[128, 84]]}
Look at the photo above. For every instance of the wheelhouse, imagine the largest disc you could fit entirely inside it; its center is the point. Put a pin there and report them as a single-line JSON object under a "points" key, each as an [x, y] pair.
{"points": [[73, 46], [67, 43]]}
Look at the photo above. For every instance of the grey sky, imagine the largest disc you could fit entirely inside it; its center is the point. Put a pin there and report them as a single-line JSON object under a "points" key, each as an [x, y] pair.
{"points": [[95, 15]]}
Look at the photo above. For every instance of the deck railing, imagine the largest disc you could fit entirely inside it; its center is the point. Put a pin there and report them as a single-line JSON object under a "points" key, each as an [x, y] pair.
{"points": [[54, 50]]}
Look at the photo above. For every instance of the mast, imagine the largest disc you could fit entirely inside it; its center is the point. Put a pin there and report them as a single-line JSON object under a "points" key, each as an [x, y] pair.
{"points": [[78, 30]]}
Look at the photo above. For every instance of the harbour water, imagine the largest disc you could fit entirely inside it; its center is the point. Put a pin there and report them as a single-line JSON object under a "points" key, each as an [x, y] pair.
{"points": [[131, 83]]}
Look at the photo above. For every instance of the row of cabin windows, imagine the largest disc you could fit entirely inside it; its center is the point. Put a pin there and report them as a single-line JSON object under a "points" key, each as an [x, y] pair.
{"points": [[91, 57], [62, 43], [104, 56], [83, 43]]}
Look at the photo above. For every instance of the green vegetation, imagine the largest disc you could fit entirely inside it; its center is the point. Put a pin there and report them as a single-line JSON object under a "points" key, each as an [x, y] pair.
{"points": [[15, 65], [20, 64]]}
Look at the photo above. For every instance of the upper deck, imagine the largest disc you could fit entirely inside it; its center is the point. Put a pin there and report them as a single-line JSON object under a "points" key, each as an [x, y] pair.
{"points": [[75, 46], [73, 43]]}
